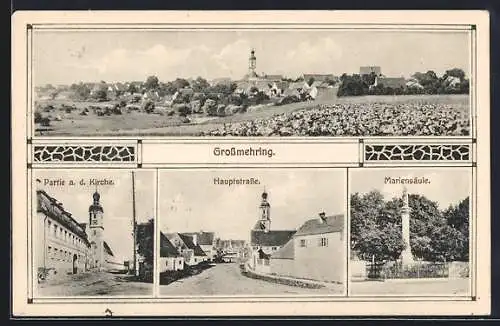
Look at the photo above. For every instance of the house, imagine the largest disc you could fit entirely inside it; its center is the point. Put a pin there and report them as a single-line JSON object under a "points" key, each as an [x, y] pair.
{"points": [[316, 251], [273, 77], [318, 77], [61, 243], [182, 92], [192, 253], [412, 83], [206, 240], [222, 80], [368, 70], [170, 258]]}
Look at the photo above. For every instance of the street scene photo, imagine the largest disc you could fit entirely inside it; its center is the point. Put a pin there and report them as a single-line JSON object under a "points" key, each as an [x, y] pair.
{"points": [[252, 232], [410, 231], [93, 233], [273, 83]]}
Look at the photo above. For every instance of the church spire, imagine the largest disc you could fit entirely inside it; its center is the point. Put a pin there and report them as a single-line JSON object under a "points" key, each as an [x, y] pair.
{"points": [[252, 64]]}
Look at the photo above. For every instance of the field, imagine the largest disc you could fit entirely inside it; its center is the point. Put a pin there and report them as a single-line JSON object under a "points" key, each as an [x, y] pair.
{"points": [[450, 109]]}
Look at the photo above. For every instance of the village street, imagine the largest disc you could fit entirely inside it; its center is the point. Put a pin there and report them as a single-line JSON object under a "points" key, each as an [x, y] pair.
{"points": [[226, 279], [94, 284]]}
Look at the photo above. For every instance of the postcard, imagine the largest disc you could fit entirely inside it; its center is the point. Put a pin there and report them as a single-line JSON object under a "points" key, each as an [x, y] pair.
{"points": [[258, 163]]}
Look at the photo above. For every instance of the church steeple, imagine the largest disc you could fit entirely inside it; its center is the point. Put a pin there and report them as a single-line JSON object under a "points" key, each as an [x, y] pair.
{"points": [[264, 222], [252, 64], [96, 230]]}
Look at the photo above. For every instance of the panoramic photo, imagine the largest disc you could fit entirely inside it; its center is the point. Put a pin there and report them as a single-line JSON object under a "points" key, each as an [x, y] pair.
{"points": [[332, 83], [93, 233], [410, 232], [278, 232]]}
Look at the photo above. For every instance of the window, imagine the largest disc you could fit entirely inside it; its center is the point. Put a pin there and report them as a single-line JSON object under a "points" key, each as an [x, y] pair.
{"points": [[65, 235], [49, 224], [95, 232], [55, 231], [323, 242], [274, 248], [303, 243], [49, 252], [60, 232]]}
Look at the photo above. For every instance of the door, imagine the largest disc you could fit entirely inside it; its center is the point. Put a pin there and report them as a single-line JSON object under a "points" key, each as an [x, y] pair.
{"points": [[75, 262]]}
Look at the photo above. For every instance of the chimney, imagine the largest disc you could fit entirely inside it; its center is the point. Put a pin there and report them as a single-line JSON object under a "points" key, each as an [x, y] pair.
{"points": [[322, 217], [195, 239]]}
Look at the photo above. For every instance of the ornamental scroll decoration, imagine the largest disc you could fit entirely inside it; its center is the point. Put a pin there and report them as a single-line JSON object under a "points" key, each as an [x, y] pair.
{"points": [[427, 152], [79, 153]]}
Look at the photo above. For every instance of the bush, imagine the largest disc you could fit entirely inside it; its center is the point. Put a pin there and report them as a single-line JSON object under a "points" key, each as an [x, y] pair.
{"points": [[221, 110], [183, 109], [45, 122], [122, 103], [148, 107], [38, 117], [210, 107], [288, 99]]}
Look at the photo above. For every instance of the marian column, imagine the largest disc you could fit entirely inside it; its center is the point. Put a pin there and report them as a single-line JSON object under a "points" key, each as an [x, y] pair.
{"points": [[406, 255]]}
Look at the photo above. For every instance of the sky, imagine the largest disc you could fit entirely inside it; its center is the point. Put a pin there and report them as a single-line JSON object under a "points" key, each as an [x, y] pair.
{"points": [[448, 186], [65, 57], [190, 202], [116, 201]]}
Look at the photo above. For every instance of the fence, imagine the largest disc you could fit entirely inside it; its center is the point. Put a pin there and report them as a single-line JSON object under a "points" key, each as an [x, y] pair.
{"points": [[416, 270]]}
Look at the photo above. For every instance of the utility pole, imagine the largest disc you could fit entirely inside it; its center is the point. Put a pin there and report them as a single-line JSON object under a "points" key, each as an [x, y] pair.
{"points": [[136, 267]]}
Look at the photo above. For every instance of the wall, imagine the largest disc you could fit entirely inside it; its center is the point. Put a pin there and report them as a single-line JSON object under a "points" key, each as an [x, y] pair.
{"points": [[358, 268], [283, 267], [170, 264], [320, 263], [63, 246]]}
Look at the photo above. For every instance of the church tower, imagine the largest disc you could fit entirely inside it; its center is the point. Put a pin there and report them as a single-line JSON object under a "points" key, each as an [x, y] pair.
{"points": [[252, 65], [96, 229], [264, 222]]}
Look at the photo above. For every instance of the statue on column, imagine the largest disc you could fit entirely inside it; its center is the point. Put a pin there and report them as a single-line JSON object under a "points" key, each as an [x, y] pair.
{"points": [[406, 255]]}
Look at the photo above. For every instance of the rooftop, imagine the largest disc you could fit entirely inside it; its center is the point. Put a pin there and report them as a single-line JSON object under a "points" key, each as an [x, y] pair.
{"points": [[332, 223], [270, 238], [167, 249]]}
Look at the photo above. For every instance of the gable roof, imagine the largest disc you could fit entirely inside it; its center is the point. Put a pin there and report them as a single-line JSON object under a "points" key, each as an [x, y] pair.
{"points": [[203, 238], [189, 243], [271, 238], [273, 77], [167, 249], [319, 77], [333, 223], [285, 252], [108, 249]]}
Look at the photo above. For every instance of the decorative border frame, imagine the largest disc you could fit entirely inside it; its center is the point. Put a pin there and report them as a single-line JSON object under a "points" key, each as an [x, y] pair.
{"points": [[33, 142]]}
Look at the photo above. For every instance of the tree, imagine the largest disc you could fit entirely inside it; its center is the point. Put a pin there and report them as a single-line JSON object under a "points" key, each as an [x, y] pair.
{"points": [[429, 80], [132, 88], [151, 83], [180, 83], [352, 86], [200, 85], [455, 72], [310, 81], [374, 228], [145, 241]]}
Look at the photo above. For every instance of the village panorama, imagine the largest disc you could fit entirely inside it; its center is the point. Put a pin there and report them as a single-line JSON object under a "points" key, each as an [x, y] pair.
{"points": [[360, 103]]}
